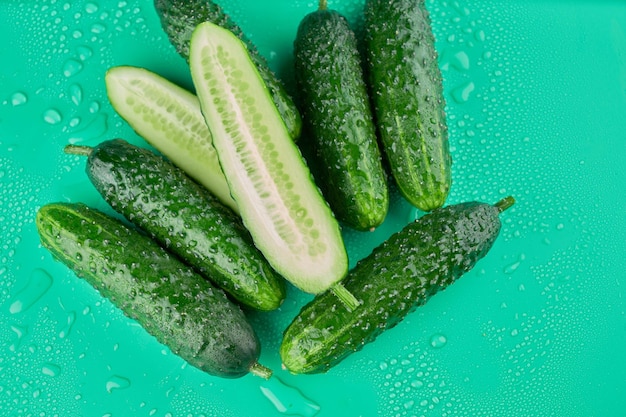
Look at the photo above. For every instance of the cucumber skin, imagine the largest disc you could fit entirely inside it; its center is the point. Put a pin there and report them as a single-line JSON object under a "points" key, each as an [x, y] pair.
{"points": [[186, 219], [180, 17], [407, 95], [170, 301], [338, 120], [398, 276]]}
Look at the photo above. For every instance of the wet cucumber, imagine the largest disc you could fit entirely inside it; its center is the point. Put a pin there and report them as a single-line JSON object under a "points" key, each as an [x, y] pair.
{"points": [[168, 117], [171, 302], [180, 17], [289, 220], [399, 275], [338, 119], [407, 94], [184, 218]]}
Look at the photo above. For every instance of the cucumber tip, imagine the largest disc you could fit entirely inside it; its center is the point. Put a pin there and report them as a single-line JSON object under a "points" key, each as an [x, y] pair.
{"points": [[505, 203], [261, 371]]}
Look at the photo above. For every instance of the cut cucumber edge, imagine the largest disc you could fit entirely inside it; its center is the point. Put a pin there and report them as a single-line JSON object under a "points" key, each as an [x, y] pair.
{"points": [[175, 127], [278, 200]]}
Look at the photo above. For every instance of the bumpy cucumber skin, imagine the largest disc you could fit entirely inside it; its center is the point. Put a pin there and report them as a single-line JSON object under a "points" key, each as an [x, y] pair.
{"points": [[399, 275], [170, 301], [338, 120], [407, 95], [185, 218], [180, 17]]}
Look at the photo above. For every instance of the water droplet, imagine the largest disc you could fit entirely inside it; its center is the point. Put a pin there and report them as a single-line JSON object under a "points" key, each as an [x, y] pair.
{"points": [[71, 318], [84, 52], [417, 383], [98, 28], [76, 93], [117, 382], [20, 332], [18, 98], [509, 269], [91, 7], [75, 121], [72, 67], [438, 341], [288, 400], [52, 116], [461, 94], [96, 128], [38, 283], [51, 369]]}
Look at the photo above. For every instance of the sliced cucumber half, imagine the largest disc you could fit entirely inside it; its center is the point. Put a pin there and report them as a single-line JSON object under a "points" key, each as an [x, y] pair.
{"points": [[279, 203], [168, 117]]}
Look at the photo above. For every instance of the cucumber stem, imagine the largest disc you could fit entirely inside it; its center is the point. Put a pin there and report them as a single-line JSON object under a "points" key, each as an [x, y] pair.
{"points": [[80, 150], [323, 5], [345, 296], [505, 203], [260, 370]]}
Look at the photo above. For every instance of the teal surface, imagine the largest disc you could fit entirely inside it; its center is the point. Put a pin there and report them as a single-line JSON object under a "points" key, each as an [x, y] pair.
{"points": [[536, 94]]}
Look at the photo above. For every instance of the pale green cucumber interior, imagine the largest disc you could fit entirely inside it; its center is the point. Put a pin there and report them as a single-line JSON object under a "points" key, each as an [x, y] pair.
{"points": [[169, 118], [279, 202]]}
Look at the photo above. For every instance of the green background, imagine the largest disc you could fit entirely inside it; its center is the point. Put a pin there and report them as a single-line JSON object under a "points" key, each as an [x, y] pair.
{"points": [[536, 104]]}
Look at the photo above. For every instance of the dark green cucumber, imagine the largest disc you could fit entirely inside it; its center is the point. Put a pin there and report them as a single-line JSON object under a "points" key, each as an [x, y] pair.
{"points": [[184, 218], [338, 119], [407, 94], [170, 301], [399, 275], [179, 18]]}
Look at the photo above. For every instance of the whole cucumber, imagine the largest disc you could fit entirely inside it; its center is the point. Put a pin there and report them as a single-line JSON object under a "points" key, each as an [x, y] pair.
{"points": [[185, 218], [170, 301], [407, 93], [399, 275], [338, 120], [179, 18]]}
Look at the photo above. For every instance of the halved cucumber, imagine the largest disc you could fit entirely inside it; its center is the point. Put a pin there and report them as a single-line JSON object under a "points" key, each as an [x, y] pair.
{"points": [[168, 117], [279, 203]]}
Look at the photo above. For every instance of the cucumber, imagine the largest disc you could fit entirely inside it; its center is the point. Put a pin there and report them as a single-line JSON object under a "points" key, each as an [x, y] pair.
{"points": [[168, 117], [180, 17], [402, 273], [338, 120], [170, 301], [184, 218], [288, 218], [407, 95]]}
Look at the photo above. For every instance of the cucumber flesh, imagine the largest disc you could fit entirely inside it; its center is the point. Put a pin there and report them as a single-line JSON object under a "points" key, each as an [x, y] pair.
{"points": [[279, 203], [168, 117]]}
